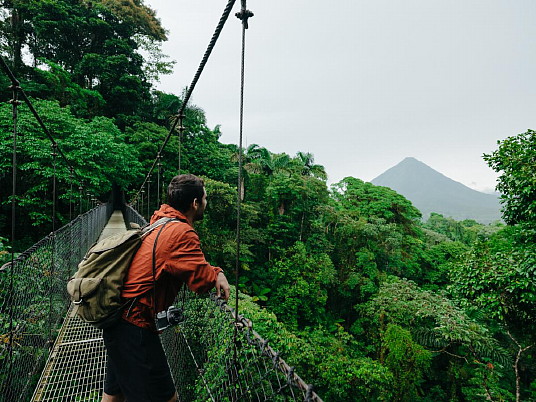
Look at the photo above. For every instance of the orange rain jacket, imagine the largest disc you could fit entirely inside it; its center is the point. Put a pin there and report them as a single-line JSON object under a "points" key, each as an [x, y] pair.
{"points": [[179, 260]]}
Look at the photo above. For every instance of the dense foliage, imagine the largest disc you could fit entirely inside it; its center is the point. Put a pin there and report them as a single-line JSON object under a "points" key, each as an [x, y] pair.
{"points": [[365, 299]]}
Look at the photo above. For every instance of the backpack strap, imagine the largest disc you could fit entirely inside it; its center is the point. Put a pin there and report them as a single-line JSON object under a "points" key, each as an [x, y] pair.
{"points": [[163, 224], [162, 221]]}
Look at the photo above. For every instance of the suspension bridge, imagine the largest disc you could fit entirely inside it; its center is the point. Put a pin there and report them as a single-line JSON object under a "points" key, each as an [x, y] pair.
{"points": [[48, 354]]}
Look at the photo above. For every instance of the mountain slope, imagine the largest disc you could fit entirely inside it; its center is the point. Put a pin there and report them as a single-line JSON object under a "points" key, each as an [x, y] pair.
{"points": [[431, 191]]}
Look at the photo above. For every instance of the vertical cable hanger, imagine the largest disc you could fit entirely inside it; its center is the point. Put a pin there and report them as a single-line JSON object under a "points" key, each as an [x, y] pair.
{"points": [[71, 180], [53, 154], [149, 181], [80, 190], [15, 87], [158, 179], [243, 15], [181, 129], [141, 202]]}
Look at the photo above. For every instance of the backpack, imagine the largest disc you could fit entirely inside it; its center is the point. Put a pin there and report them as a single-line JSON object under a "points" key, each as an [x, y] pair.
{"points": [[95, 288]]}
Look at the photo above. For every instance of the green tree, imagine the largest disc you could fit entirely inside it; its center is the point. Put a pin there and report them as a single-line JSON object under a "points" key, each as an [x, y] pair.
{"points": [[407, 360], [438, 324], [261, 161], [373, 231], [514, 160], [493, 279], [300, 282], [466, 231], [305, 164], [497, 277], [438, 260], [53, 82], [97, 43]]}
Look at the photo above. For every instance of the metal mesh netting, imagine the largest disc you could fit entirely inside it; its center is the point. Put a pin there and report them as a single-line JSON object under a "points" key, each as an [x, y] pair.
{"points": [[34, 301], [208, 365], [76, 368]]}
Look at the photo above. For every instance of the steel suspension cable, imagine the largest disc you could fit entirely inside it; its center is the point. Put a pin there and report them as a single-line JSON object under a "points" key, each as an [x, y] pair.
{"points": [[191, 88]]}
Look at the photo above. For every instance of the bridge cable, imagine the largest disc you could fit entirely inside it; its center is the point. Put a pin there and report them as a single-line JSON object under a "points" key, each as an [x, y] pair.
{"points": [[180, 113], [243, 15], [54, 155], [149, 181], [158, 179], [71, 179], [80, 190], [181, 131], [15, 87]]}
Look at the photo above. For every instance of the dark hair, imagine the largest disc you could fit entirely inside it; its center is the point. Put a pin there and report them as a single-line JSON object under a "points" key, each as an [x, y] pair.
{"points": [[183, 190]]}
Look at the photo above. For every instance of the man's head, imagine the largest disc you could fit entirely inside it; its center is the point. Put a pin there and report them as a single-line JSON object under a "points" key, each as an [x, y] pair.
{"points": [[186, 193]]}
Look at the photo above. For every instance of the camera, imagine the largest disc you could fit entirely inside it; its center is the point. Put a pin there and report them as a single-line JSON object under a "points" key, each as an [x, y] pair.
{"points": [[168, 318]]}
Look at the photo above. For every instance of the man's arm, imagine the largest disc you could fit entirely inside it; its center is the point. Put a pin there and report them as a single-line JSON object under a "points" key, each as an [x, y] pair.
{"points": [[186, 261]]}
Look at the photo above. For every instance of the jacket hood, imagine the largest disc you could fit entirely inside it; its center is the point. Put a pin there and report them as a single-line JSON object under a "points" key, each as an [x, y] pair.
{"points": [[167, 211]]}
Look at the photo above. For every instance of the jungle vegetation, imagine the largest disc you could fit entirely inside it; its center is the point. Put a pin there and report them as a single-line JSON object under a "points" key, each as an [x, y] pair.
{"points": [[366, 300]]}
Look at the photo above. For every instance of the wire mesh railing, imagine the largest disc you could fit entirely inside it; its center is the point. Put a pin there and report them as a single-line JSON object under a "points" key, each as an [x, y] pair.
{"points": [[208, 364], [34, 301]]}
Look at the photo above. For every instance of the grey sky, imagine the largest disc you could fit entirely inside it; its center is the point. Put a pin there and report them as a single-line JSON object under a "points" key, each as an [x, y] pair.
{"points": [[364, 84]]}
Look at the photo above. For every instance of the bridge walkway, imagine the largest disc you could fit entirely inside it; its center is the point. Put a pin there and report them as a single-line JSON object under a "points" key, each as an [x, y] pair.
{"points": [[76, 366]]}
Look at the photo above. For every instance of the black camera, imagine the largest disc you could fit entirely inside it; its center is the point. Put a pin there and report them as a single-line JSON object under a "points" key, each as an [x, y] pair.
{"points": [[168, 318]]}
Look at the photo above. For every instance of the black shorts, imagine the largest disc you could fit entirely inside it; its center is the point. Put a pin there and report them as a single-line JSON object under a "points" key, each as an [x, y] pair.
{"points": [[136, 365]]}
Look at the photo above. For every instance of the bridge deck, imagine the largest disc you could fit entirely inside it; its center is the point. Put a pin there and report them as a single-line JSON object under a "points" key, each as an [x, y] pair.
{"points": [[76, 365]]}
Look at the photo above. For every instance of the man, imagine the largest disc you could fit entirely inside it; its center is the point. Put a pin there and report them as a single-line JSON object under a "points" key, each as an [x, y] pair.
{"points": [[137, 368]]}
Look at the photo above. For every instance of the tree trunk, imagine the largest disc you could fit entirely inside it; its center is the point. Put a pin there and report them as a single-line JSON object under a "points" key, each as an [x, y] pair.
{"points": [[520, 351], [281, 208]]}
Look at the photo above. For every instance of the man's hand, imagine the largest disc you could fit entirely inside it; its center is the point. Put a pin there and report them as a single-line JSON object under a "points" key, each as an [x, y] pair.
{"points": [[222, 287]]}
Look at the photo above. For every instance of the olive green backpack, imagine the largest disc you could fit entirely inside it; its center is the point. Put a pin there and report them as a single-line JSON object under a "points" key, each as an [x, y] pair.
{"points": [[95, 288]]}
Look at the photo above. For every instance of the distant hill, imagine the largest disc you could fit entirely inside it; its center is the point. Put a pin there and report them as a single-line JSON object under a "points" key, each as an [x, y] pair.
{"points": [[431, 191]]}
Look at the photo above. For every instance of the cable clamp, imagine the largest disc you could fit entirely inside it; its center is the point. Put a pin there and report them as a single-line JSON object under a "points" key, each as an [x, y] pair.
{"points": [[309, 393], [290, 376], [275, 359], [244, 15]]}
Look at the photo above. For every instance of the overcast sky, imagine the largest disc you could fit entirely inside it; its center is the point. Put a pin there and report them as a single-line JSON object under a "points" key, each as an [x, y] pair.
{"points": [[364, 84]]}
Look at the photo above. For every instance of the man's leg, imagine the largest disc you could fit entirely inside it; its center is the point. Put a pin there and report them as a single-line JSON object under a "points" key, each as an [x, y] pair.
{"points": [[112, 391], [139, 364]]}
